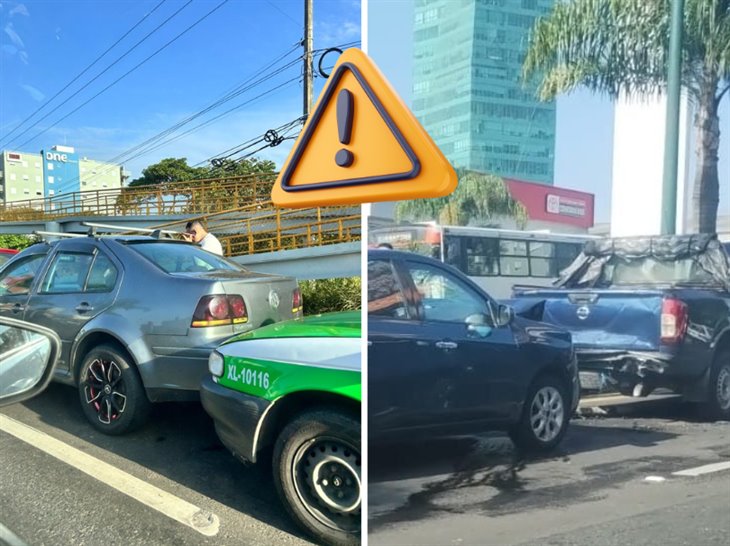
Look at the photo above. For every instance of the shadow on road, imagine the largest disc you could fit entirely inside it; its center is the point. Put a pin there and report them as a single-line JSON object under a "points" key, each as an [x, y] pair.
{"points": [[487, 475], [179, 442]]}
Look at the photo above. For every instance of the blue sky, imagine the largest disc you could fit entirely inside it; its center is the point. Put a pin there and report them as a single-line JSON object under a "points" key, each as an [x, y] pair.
{"points": [[44, 44], [583, 148]]}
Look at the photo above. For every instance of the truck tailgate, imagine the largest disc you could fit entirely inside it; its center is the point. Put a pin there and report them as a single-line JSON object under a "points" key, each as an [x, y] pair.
{"points": [[603, 319]]}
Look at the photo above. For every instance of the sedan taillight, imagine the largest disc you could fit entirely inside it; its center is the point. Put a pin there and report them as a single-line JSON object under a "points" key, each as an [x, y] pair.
{"points": [[296, 301], [219, 310]]}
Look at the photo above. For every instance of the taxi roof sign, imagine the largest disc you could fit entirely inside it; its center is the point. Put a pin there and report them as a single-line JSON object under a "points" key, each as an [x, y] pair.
{"points": [[362, 144]]}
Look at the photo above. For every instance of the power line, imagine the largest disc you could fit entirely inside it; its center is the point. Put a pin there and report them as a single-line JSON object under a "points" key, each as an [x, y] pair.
{"points": [[85, 70], [285, 14], [229, 96], [92, 80], [153, 143], [196, 23], [216, 118], [157, 146]]}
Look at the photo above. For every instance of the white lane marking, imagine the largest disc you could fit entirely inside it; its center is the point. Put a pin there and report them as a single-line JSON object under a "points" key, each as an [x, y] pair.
{"points": [[205, 523], [706, 469], [10, 538], [655, 479]]}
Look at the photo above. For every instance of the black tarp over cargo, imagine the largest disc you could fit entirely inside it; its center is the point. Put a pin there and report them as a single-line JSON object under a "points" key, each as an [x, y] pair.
{"points": [[673, 259]]}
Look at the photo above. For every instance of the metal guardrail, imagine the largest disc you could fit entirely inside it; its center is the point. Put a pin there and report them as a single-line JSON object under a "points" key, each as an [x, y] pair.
{"points": [[261, 227]]}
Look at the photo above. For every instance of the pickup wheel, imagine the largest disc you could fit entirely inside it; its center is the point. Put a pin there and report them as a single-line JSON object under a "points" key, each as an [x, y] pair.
{"points": [[718, 402], [112, 396], [545, 416], [317, 474]]}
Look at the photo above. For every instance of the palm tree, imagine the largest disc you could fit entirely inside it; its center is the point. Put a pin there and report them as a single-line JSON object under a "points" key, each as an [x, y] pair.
{"points": [[621, 47], [478, 200]]}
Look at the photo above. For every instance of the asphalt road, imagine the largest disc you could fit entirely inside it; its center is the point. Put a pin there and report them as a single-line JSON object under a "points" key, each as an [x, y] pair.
{"points": [[611, 482], [46, 500]]}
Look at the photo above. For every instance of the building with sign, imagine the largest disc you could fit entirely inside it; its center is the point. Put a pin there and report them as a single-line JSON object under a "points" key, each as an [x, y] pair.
{"points": [[61, 170], [468, 91], [21, 176], [548, 208], [53, 172], [558, 210]]}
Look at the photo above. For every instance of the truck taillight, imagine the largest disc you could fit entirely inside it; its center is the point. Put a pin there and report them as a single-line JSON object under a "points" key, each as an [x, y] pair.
{"points": [[296, 301], [219, 310], [673, 320]]}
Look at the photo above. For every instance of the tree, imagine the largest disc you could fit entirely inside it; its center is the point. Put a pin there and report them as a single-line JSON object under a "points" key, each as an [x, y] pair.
{"points": [[168, 170], [621, 47], [479, 199], [229, 167]]}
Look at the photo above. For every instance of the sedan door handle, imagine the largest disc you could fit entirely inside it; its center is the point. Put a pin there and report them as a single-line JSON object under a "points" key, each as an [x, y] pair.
{"points": [[446, 345], [18, 307], [84, 308]]}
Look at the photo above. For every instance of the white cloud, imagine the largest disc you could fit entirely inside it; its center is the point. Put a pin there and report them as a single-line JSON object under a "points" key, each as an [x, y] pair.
{"points": [[14, 37], [329, 34], [20, 9], [34, 93]]}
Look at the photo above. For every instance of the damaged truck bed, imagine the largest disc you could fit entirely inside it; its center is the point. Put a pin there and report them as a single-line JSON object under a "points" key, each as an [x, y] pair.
{"points": [[645, 313]]}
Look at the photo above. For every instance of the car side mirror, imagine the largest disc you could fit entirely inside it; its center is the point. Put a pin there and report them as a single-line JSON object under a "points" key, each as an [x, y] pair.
{"points": [[28, 355], [478, 324], [505, 315]]}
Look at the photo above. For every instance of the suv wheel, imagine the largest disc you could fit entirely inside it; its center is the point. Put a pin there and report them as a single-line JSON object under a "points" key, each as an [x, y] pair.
{"points": [[317, 474], [111, 392], [719, 392], [545, 416]]}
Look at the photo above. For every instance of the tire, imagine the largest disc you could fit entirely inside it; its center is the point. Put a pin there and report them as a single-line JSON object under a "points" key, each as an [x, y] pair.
{"points": [[324, 444], [545, 416], [113, 406], [718, 399]]}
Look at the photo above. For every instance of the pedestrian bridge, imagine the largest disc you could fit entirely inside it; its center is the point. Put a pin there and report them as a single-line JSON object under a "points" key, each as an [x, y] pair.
{"points": [[238, 210]]}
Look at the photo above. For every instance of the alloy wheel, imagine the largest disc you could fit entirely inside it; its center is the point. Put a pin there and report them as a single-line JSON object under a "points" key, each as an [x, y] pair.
{"points": [[104, 390], [723, 388], [547, 414]]}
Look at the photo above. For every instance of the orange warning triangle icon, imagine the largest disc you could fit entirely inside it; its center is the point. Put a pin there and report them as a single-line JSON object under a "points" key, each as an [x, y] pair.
{"points": [[361, 144]]}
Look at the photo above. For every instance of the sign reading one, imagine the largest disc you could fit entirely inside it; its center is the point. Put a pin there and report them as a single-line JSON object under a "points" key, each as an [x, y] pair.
{"points": [[361, 144], [55, 156]]}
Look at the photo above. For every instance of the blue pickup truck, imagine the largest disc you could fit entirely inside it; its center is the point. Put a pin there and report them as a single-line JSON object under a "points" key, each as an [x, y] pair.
{"points": [[645, 313]]}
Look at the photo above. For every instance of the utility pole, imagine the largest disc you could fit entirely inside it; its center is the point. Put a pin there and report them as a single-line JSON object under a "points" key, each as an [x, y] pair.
{"points": [[308, 46], [671, 137]]}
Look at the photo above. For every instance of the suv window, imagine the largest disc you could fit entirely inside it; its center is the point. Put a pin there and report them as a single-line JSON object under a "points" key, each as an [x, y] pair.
{"points": [[385, 297], [445, 298], [18, 278], [182, 258], [67, 273]]}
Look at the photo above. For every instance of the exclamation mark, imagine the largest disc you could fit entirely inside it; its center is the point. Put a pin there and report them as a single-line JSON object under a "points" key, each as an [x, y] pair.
{"points": [[345, 103]]}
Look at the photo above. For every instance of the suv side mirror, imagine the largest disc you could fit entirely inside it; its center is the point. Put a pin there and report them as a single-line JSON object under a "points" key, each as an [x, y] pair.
{"points": [[28, 355], [478, 324], [505, 315]]}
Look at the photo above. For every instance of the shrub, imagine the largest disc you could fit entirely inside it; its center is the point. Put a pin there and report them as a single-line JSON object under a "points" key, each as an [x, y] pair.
{"points": [[17, 242], [327, 295]]}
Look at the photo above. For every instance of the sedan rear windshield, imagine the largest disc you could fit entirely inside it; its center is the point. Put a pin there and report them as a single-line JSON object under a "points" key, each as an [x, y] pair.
{"points": [[182, 258]]}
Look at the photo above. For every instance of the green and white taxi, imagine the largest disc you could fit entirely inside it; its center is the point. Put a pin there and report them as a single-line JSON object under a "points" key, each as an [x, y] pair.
{"points": [[295, 386]]}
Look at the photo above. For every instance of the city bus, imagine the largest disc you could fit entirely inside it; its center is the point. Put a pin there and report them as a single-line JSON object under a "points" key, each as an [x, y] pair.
{"points": [[496, 259]]}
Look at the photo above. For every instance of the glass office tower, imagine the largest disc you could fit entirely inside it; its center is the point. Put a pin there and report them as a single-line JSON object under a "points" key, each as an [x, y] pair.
{"points": [[468, 90]]}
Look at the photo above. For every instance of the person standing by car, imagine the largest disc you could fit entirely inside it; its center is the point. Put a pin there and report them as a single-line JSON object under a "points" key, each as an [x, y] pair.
{"points": [[195, 232]]}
